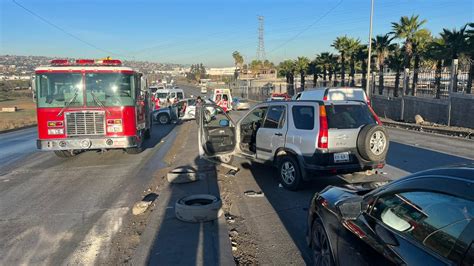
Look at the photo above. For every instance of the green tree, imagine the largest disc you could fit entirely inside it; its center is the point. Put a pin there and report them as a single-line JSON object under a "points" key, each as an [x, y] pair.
{"points": [[287, 69], [455, 42], [342, 44], [436, 50], [469, 50], [238, 62], [361, 56], [324, 61], [301, 66], [314, 69], [395, 62], [353, 48], [256, 66], [406, 29], [382, 47], [420, 42]]}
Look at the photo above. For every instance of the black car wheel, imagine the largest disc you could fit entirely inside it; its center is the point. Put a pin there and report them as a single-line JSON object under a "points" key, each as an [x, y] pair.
{"points": [[163, 119], [322, 254], [290, 173]]}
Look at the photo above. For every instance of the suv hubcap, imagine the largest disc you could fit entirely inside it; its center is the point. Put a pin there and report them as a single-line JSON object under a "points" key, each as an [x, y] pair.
{"points": [[322, 254], [163, 119], [288, 172], [378, 142]]}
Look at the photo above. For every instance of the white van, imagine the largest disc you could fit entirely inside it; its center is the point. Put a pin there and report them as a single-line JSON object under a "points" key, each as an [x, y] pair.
{"points": [[176, 94], [333, 94], [162, 94]]}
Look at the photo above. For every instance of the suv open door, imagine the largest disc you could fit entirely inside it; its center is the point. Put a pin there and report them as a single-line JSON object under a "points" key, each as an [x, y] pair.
{"points": [[216, 133]]}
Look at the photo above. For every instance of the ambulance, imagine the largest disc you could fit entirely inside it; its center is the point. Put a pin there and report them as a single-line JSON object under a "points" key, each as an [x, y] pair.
{"points": [[222, 98]]}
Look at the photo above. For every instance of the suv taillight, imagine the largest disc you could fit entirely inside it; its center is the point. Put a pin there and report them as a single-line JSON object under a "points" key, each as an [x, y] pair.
{"points": [[375, 115], [323, 128]]}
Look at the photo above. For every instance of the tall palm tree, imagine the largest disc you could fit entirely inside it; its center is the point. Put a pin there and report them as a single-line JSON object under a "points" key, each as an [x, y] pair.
{"points": [[287, 69], [301, 65], [255, 67], [382, 47], [314, 69], [353, 48], [334, 68], [420, 41], [395, 62], [469, 50], [342, 44], [361, 55], [406, 29], [238, 59], [455, 42], [437, 51], [324, 61]]}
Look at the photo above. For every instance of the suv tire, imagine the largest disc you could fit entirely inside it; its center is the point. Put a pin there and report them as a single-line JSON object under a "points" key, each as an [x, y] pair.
{"points": [[373, 143], [163, 119], [290, 173]]}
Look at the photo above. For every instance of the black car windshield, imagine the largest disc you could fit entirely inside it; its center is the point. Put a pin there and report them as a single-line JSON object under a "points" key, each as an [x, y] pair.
{"points": [[348, 116], [111, 89]]}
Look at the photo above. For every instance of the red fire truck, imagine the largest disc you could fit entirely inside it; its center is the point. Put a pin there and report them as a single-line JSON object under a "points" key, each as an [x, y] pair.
{"points": [[91, 105]]}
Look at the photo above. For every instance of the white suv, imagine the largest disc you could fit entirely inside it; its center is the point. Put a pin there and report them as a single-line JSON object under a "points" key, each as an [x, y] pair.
{"points": [[299, 137]]}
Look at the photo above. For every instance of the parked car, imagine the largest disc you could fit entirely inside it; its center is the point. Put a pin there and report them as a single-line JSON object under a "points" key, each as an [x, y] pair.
{"points": [[423, 219], [183, 110], [240, 104], [279, 97], [333, 94], [299, 137]]}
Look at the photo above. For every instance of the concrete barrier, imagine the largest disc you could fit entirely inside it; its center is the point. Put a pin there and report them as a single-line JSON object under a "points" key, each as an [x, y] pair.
{"points": [[9, 109], [432, 110]]}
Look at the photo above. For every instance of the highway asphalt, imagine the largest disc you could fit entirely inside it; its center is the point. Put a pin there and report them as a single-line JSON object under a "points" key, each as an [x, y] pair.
{"points": [[66, 211]]}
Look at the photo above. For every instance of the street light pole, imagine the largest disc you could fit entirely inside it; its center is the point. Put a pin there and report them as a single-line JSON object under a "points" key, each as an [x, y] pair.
{"points": [[367, 86]]}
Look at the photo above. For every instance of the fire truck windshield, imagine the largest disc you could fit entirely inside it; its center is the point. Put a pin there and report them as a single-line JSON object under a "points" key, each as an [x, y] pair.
{"points": [[59, 89], [111, 89]]}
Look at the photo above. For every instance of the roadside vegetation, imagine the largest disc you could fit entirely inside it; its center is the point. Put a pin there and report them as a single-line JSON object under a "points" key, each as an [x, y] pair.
{"points": [[408, 45], [26, 109]]}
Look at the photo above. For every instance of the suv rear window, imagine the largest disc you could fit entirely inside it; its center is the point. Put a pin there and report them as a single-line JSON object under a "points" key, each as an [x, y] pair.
{"points": [[303, 117], [348, 116]]}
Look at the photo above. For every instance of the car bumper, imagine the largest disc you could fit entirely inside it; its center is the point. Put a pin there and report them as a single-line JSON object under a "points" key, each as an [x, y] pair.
{"points": [[324, 162], [87, 143]]}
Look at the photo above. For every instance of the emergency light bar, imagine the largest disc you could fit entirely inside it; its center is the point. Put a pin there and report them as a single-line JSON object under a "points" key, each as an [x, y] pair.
{"points": [[105, 62]]}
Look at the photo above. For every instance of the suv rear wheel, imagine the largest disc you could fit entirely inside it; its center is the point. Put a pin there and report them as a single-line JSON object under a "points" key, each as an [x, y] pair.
{"points": [[373, 143], [290, 173]]}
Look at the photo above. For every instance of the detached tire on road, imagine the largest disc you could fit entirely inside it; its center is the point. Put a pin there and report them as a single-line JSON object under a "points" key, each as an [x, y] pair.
{"points": [[373, 143], [181, 175], [198, 208]]}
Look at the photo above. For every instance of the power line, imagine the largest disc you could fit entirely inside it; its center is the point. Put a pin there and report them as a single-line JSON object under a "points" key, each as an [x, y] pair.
{"points": [[64, 31], [307, 27]]}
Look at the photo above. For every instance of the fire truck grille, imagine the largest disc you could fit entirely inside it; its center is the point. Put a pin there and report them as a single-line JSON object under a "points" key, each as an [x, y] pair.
{"points": [[85, 123]]}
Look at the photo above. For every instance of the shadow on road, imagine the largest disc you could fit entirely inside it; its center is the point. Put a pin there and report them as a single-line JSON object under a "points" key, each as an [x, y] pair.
{"points": [[290, 206], [413, 159]]}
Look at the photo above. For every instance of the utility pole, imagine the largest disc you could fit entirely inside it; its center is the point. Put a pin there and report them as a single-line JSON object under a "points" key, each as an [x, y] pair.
{"points": [[367, 89], [261, 44]]}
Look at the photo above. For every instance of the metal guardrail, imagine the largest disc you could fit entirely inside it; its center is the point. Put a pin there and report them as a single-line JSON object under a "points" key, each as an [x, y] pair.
{"points": [[442, 130]]}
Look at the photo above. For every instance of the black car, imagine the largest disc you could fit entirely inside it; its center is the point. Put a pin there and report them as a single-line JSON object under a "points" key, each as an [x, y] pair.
{"points": [[423, 219]]}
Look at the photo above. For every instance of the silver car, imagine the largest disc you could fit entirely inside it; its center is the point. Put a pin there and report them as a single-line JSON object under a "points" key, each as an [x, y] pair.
{"points": [[299, 138]]}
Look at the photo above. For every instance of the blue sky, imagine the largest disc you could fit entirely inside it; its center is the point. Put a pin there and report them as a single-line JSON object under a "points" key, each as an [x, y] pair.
{"points": [[207, 31]]}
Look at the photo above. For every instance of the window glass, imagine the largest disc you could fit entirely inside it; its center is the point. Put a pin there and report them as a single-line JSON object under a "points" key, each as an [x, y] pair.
{"points": [[432, 219], [303, 117], [110, 89], [59, 89], [348, 116], [162, 95], [180, 95], [275, 114], [257, 116]]}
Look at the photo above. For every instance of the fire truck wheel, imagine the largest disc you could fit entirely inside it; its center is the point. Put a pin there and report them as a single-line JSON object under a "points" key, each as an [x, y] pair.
{"points": [[198, 208], [163, 119], [65, 154]]}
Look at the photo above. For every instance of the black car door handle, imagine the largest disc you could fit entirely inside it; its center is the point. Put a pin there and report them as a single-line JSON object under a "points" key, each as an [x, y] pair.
{"points": [[278, 134]]}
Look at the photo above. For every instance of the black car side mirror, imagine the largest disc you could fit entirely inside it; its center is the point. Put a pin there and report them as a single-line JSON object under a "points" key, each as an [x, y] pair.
{"points": [[350, 208]]}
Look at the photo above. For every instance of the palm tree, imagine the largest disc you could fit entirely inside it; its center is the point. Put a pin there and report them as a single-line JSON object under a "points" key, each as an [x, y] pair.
{"points": [[406, 29], [238, 59], [287, 69], [395, 62], [334, 68], [314, 69], [353, 48], [324, 61], [255, 67], [382, 47], [361, 55], [301, 66], [342, 44], [455, 42], [436, 50], [420, 41], [469, 50]]}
